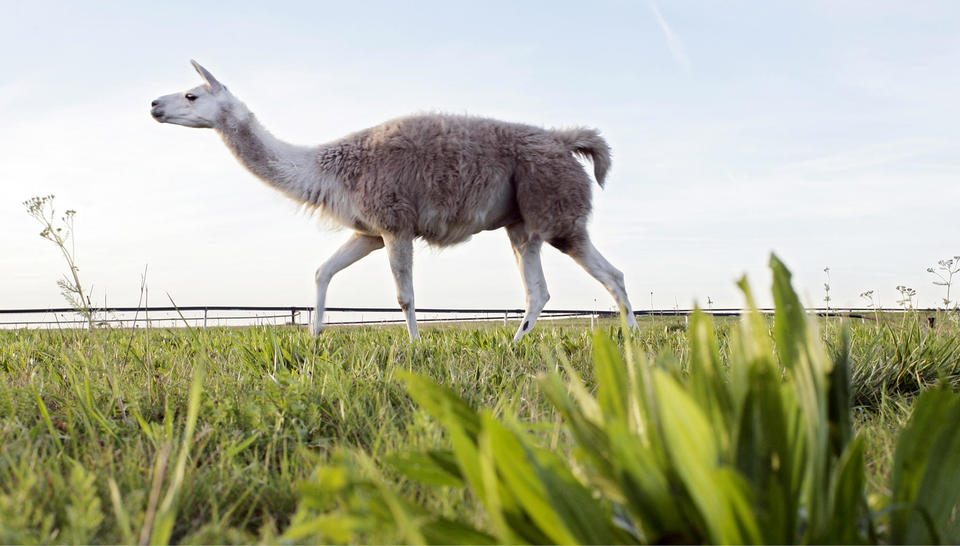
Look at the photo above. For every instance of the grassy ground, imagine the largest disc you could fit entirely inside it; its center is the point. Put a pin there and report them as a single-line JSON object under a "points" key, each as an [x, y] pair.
{"points": [[93, 436]]}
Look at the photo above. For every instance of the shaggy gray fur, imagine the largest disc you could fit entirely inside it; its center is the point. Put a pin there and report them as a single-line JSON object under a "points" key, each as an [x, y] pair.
{"points": [[443, 177]]}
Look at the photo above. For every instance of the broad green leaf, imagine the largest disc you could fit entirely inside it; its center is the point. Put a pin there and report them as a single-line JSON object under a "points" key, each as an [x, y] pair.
{"points": [[584, 515], [331, 527], [467, 457], [510, 524], [847, 500], [520, 476], [765, 454], [707, 383], [807, 364], [441, 402], [692, 448], [751, 349], [738, 496], [445, 531], [591, 438], [925, 480], [321, 490], [939, 493], [612, 381], [407, 517], [641, 480], [424, 468], [839, 414], [790, 326]]}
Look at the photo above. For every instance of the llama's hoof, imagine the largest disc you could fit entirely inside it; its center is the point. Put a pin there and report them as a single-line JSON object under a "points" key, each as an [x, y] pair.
{"points": [[316, 329]]}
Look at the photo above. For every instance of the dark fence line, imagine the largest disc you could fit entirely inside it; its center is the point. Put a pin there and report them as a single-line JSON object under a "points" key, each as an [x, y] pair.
{"points": [[294, 314], [295, 308]]}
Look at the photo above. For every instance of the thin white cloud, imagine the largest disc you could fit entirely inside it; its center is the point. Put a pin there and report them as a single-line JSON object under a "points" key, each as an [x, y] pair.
{"points": [[673, 42]]}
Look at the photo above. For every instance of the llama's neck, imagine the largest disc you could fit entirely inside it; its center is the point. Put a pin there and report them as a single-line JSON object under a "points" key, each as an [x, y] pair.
{"points": [[289, 168]]}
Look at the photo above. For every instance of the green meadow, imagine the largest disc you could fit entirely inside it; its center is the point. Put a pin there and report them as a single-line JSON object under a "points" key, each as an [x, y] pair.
{"points": [[762, 429]]}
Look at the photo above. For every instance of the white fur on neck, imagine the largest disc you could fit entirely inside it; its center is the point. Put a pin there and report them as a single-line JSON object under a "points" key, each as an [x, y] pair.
{"points": [[289, 168]]}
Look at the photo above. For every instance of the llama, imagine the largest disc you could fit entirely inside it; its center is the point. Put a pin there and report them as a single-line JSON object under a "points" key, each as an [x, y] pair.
{"points": [[441, 178]]}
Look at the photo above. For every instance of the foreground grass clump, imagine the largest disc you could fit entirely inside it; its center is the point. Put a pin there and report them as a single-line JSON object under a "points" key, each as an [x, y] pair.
{"points": [[763, 451]]}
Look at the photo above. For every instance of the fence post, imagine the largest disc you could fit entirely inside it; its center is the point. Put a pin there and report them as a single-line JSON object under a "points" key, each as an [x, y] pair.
{"points": [[293, 316], [504, 318], [204, 318]]}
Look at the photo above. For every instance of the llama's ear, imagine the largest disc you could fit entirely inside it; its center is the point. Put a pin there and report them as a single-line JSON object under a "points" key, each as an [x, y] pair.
{"points": [[207, 77]]}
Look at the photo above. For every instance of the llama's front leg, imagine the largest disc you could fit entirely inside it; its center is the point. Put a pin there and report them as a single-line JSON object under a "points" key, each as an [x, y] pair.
{"points": [[400, 251], [356, 247], [526, 248]]}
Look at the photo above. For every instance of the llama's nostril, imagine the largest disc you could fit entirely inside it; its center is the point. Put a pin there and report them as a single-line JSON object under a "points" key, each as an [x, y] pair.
{"points": [[155, 103]]}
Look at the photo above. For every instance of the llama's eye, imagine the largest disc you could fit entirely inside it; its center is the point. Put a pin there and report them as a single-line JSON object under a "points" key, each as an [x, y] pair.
{"points": [[190, 97]]}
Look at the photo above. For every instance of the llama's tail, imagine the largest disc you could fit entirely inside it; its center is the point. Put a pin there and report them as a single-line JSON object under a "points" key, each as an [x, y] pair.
{"points": [[588, 144]]}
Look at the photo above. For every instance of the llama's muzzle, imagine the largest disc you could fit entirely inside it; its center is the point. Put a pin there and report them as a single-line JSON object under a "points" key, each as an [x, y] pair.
{"points": [[156, 111]]}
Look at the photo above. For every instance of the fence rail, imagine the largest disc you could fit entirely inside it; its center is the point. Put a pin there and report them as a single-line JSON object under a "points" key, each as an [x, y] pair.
{"points": [[240, 315]]}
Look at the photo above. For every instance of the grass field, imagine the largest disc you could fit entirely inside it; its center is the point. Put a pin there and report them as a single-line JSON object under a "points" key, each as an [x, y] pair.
{"points": [[203, 436]]}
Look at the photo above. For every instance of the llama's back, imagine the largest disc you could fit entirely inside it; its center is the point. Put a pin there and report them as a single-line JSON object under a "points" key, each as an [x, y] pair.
{"points": [[447, 177]]}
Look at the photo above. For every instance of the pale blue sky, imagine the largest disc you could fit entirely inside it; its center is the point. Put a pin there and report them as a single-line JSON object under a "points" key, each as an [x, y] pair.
{"points": [[825, 131]]}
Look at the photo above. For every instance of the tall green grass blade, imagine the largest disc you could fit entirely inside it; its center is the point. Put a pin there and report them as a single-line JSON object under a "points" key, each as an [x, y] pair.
{"points": [[46, 418], [167, 510], [120, 512]]}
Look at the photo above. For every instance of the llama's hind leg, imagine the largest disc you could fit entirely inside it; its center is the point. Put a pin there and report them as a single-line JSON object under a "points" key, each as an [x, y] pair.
{"points": [[587, 255], [400, 250], [526, 248], [356, 247]]}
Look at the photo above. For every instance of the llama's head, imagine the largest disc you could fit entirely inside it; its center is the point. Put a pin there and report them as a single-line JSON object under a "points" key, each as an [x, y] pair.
{"points": [[201, 106]]}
